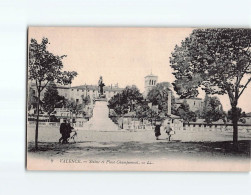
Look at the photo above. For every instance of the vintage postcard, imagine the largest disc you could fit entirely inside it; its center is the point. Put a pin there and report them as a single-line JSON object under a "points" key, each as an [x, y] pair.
{"points": [[138, 99]]}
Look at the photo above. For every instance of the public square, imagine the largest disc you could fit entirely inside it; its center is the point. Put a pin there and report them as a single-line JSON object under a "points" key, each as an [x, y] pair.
{"points": [[127, 109], [137, 144]]}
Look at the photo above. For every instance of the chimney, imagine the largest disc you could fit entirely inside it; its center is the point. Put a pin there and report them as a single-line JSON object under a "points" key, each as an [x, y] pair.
{"points": [[169, 102]]}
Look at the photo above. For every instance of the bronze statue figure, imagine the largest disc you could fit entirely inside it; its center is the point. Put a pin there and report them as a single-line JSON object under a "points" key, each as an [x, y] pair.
{"points": [[101, 86]]}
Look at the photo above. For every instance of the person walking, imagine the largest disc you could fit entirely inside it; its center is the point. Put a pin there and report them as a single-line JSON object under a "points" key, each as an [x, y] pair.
{"points": [[168, 130], [68, 131], [157, 129], [62, 129]]}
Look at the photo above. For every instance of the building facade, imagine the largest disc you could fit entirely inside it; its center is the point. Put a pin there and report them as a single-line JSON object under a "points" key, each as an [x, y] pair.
{"points": [[63, 90], [77, 93], [195, 104]]}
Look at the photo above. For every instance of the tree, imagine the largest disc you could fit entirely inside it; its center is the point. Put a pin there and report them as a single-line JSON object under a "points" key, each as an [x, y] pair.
{"points": [[61, 101], [159, 96], [142, 110], [74, 107], [218, 61], [44, 67], [185, 113], [126, 101], [86, 100], [239, 114], [212, 109], [31, 103], [51, 98]]}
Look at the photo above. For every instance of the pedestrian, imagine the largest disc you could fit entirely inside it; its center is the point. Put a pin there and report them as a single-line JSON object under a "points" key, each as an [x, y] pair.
{"points": [[168, 131], [68, 131], [157, 129], [63, 129]]}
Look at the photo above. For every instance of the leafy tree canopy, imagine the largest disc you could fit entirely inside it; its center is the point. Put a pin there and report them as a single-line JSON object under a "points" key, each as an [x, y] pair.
{"points": [[125, 101], [240, 114], [217, 60], [74, 107], [143, 111], [214, 59], [45, 66], [51, 98], [185, 113], [159, 96], [212, 109]]}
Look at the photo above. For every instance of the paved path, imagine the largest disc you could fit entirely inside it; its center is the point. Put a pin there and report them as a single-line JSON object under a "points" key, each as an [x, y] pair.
{"points": [[141, 144]]}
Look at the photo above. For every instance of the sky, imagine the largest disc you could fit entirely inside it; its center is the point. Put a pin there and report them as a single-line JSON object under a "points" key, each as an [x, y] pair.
{"points": [[121, 55]]}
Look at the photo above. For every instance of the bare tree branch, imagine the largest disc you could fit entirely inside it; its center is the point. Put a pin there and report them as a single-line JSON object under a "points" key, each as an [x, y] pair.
{"points": [[244, 87], [44, 86]]}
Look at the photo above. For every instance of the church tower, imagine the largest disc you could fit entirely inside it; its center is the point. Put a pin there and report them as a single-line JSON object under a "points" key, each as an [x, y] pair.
{"points": [[150, 81]]}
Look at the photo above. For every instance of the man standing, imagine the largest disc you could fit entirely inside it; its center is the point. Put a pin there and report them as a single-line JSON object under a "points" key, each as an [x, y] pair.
{"points": [[68, 131], [63, 129]]}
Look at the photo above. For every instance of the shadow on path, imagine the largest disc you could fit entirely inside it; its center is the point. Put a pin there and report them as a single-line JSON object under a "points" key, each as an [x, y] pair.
{"points": [[132, 149]]}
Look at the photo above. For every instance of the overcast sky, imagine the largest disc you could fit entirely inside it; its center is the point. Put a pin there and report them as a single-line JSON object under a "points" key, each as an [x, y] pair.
{"points": [[121, 55]]}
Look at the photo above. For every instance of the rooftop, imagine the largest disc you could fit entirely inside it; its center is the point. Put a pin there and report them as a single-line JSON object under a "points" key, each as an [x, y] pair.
{"points": [[192, 98], [95, 87], [150, 75]]}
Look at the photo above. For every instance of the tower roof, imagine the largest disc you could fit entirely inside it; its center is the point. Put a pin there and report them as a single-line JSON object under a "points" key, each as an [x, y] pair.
{"points": [[151, 75]]}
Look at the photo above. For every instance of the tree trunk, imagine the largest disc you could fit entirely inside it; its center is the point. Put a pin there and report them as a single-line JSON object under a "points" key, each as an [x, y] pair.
{"points": [[37, 122], [235, 126]]}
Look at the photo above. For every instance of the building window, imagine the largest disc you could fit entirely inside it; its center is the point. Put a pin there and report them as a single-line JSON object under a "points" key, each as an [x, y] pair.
{"points": [[77, 89], [71, 89], [77, 100]]}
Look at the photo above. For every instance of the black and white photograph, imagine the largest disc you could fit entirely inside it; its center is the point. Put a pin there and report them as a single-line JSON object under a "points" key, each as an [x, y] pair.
{"points": [[124, 97], [138, 99]]}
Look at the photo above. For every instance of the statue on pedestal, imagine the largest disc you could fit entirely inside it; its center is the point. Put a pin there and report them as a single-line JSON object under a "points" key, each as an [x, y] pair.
{"points": [[101, 86]]}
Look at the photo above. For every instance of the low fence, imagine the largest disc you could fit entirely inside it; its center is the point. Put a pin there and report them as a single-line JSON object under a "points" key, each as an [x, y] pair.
{"points": [[214, 127], [137, 127], [190, 127], [55, 124], [175, 127]]}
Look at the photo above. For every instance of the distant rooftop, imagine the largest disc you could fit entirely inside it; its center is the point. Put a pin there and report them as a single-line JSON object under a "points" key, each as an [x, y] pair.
{"points": [[95, 87], [192, 98], [150, 75]]}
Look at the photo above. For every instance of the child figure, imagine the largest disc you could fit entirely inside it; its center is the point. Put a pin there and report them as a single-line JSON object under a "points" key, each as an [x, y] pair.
{"points": [[168, 131]]}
